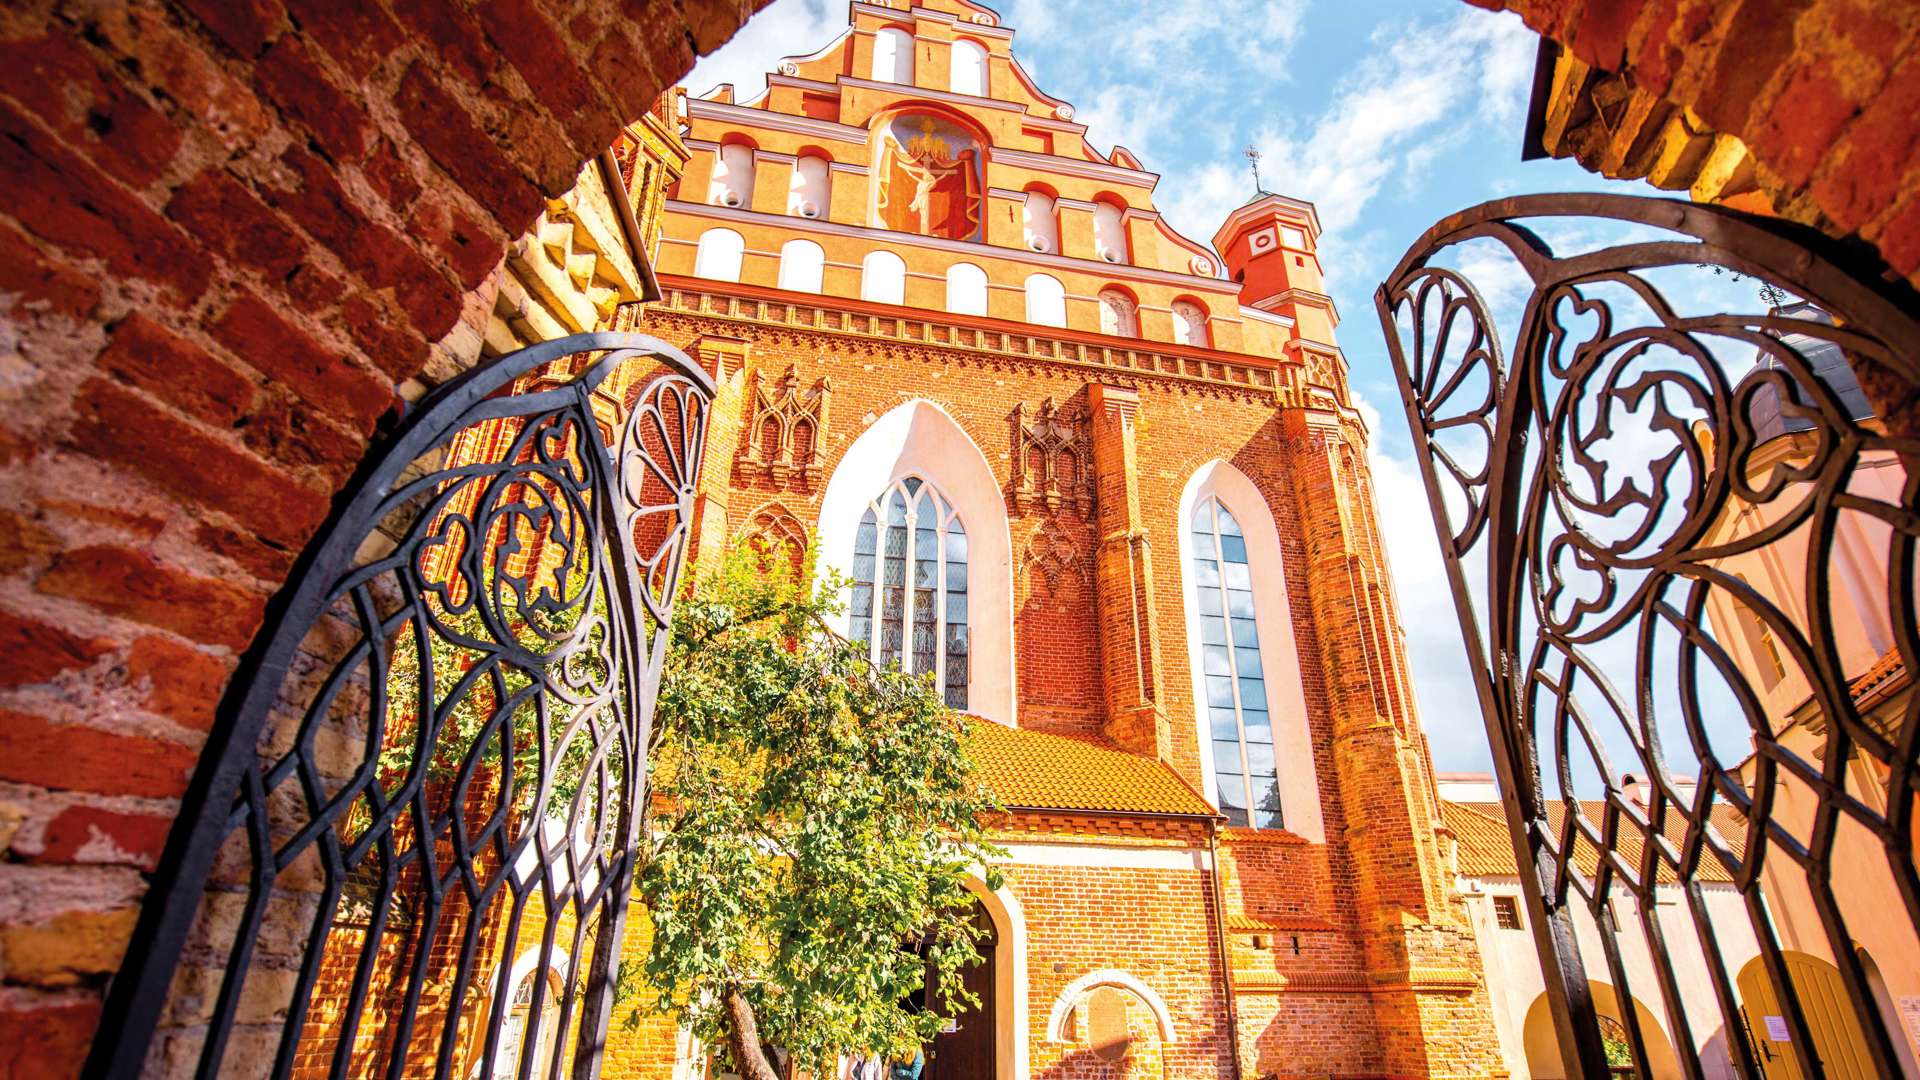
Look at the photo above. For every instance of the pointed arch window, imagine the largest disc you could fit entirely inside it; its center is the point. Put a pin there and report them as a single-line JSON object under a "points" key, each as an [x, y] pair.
{"points": [[1236, 689], [909, 600]]}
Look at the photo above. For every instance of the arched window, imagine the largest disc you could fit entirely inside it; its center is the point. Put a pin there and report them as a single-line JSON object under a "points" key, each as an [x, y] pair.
{"points": [[1109, 232], [801, 262], [910, 574], [1040, 223], [810, 193], [733, 177], [883, 278], [1046, 301], [966, 289], [893, 56], [1119, 315], [968, 73], [1245, 774], [1190, 324], [520, 1020], [718, 255]]}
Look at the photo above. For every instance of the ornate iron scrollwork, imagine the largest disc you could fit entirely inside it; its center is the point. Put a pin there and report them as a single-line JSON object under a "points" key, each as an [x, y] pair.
{"points": [[1645, 548], [409, 848]]}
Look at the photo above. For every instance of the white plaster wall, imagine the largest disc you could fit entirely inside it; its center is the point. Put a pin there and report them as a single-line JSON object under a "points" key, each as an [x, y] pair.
{"points": [[1514, 980], [1279, 653], [918, 438]]}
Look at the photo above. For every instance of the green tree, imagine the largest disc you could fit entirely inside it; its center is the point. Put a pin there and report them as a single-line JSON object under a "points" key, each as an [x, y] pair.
{"points": [[813, 821]]}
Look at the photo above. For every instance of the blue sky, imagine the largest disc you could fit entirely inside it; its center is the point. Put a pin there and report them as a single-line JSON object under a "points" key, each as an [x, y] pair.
{"points": [[1386, 115]]}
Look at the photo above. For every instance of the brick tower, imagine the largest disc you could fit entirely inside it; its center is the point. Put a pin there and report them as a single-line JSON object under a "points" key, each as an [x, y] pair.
{"points": [[1112, 496]]}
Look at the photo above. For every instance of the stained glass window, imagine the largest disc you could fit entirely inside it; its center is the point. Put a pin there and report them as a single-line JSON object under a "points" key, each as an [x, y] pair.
{"points": [[909, 599], [1240, 727]]}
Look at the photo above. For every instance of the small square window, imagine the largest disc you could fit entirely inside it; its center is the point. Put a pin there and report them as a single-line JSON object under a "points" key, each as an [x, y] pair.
{"points": [[1506, 912]]}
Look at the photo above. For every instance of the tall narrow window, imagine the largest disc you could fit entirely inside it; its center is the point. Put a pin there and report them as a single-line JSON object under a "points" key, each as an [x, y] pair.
{"points": [[733, 177], [883, 278], [1236, 686], [1046, 301], [717, 256], [1109, 231], [1766, 655], [1038, 223], [909, 598], [810, 189], [893, 56], [966, 289], [801, 264], [967, 74]]}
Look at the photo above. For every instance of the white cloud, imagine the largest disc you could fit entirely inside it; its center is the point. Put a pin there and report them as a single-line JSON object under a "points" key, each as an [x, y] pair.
{"points": [[1449, 709], [781, 29], [1412, 95]]}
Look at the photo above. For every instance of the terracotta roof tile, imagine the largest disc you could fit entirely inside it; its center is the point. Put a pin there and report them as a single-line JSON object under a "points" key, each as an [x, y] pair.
{"points": [[1486, 851], [1887, 674], [1032, 770]]}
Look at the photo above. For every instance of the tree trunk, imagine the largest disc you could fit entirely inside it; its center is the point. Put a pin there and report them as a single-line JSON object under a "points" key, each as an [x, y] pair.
{"points": [[743, 1038]]}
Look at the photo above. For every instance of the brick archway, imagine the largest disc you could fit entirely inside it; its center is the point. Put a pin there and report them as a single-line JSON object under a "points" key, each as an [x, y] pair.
{"points": [[232, 233]]}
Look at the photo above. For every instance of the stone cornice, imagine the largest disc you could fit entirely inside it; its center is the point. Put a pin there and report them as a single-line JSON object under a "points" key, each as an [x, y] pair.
{"points": [[1114, 271], [766, 118], [1115, 361], [923, 93], [1086, 170], [1302, 296]]}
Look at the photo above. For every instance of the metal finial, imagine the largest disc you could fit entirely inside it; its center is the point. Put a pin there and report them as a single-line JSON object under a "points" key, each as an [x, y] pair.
{"points": [[1253, 158]]}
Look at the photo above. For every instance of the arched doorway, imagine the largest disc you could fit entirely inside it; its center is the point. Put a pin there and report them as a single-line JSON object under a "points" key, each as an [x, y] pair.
{"points": [[1839, 1044], [1543, 1046], [968, 1047]]}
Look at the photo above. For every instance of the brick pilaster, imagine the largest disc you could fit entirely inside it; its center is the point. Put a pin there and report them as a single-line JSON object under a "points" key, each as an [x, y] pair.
{"points": [[1123, 569], [725, 358], [1419, 950]]}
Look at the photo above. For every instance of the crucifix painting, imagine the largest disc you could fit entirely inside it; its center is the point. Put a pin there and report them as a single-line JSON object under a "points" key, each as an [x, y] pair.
{"points": [[929, 178]]}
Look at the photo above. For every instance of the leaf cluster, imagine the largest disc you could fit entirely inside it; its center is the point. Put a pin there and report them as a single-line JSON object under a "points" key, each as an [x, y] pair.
{"points": [[813, 822]]}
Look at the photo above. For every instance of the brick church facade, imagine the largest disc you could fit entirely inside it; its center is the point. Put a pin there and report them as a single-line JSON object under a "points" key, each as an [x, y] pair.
{"points": [[959, 346]]}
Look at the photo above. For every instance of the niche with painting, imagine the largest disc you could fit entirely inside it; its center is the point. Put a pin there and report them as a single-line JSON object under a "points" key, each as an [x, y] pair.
{"points": [[930, 178]]}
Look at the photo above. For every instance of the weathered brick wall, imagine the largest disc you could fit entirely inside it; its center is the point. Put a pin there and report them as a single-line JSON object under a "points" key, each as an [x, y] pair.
{"points": [[228, 232], [1823, 92]]}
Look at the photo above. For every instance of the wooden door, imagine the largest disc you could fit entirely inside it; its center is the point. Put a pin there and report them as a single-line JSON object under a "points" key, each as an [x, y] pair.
{"points": [[1840, 1045], [969, 1050]]}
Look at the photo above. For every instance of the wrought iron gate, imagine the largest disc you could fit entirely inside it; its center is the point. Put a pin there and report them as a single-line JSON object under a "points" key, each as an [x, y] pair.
{"points": [[410, 844], [1687, 594]]}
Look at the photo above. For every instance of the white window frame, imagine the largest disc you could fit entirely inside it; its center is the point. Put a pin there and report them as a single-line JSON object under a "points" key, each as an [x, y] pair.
{"points": [[1279, 655]]}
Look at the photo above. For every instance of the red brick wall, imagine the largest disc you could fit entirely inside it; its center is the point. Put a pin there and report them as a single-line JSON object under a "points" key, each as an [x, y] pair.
{"points": [[227, 232], [1148, 923]]}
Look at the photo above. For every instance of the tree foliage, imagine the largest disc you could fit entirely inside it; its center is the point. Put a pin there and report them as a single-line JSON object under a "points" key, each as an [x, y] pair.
{"points": [[814, 820]]}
